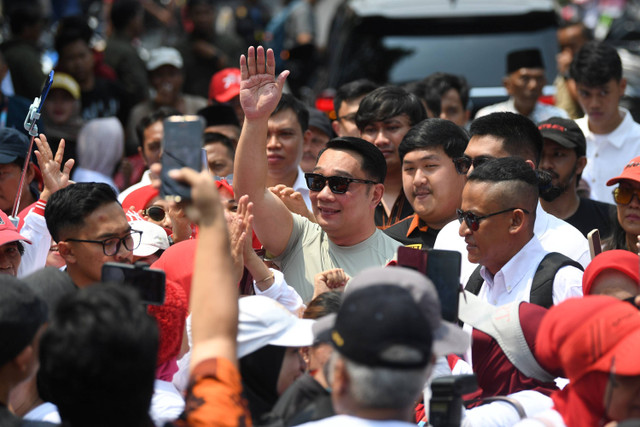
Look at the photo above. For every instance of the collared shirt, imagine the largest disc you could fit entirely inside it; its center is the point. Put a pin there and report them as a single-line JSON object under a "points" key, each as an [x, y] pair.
{"points": [[400, 210], [608, 154], [540, 113], [413, 232], [300, 185], [513, 281], [554, 234]]}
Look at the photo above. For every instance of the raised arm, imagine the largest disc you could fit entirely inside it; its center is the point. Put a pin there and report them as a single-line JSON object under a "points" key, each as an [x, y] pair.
{"points": [[260, 93]]}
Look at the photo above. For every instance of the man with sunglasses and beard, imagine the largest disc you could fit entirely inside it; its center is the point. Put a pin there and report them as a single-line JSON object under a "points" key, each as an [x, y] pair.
{"points": [[564, 157], [497, 218], [345, 187]]}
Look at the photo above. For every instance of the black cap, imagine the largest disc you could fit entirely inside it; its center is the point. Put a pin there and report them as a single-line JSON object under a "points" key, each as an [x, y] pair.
{"points": [[320, 121], [21, 315], [382, 326], [565, 132], [215, 115], [526, 58], [13, 146]]}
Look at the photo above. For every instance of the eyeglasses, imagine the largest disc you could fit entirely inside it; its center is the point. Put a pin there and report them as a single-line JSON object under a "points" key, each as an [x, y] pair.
{"points": [[464, 163], [623, 195], [473, 221], [156, 213], [337, 184], [111, 246]]}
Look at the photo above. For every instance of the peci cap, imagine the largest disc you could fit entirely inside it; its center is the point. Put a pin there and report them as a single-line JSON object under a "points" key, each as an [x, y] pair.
{"points": [[153, 238], [164, 56], [66, 82], [626, 262], [13, 146], [225, 85], [320, 121], [565, 132], [525, 58], [8, 232], [630, 172], [447, 337], [382, 326], [264, 321], [21, 315]]}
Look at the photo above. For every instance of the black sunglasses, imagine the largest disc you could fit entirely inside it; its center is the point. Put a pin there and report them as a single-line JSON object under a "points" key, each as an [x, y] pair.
{"points": [[337, 184], [156, 213], [473, 221], [464, 163]]}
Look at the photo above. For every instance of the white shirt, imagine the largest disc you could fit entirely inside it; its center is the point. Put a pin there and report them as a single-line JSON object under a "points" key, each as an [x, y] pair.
{"points": [[350, 421], [301, 187], [540, 113], [44, 412], [548, 418], [554, 234], [166, 404], [513, 281], [35, 229], [502, 414], [608, 154]]}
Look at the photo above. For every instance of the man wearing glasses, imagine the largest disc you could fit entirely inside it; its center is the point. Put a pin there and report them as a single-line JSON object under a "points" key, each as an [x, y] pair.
{"points": [[346, 103], [345, 188], [502, 135], [90, 227], [497, 220]]}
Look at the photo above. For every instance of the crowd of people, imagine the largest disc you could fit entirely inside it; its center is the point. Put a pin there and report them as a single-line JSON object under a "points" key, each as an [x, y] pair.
{"points": [[289, 293]]}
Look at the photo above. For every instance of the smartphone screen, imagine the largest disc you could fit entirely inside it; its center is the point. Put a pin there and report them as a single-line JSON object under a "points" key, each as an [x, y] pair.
{"points": [[443, 268], [595, 247], [149, 283], [181, 147]]}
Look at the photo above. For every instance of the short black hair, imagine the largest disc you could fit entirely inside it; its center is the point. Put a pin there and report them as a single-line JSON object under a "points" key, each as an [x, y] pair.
{"points": [[352, 90], [22, 16], [433, 133], [437, 84], [155, 116], [216, 137], [524, 181], [123, 12], [595, 64], [373, 163], [68, 207], [387, 102], [520, 136], [70, 30], [98, 336], [288, 101], [219, 114]]}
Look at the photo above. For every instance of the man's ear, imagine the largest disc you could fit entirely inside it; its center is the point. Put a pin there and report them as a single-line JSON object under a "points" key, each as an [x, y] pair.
{"points": [[581, 162], [623, 85], [307, 135], [517, 221], [67, 253], [506, 82], [378, 191], [31, 173], [530, 163], [24, 360], [336, 127]]}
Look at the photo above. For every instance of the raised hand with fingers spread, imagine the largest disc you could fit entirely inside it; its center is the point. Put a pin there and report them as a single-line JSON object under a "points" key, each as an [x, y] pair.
{"points": [[54, 176], [260, 90]]}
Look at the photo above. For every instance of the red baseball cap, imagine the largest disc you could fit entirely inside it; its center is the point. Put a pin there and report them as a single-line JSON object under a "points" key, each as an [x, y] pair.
{"points": [[225, 84], [9, 233], [630, 172], [626, 262]]}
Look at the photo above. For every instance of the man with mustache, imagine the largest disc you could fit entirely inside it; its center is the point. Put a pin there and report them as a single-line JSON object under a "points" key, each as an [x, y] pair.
{"points": [[564, 157], [430, 180]]}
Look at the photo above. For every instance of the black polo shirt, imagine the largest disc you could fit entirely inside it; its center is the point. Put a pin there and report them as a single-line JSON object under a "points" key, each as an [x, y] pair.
{"points": [[413, 232]]}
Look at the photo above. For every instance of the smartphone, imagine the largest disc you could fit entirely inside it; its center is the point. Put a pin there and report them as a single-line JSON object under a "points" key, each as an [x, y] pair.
{"points": [[150, 283], [181, 146], [443, 268], [595, 247]]}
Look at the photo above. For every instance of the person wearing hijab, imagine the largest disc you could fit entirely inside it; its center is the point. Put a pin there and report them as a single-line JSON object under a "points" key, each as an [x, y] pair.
{"points": [[100, 148], [594, 342]]}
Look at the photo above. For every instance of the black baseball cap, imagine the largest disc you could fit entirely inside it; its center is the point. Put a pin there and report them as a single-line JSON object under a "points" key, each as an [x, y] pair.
{"points": [[565, 132], [382, 326], [13, 145]]}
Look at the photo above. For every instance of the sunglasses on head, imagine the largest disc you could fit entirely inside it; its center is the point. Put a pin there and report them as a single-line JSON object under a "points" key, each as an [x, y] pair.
{"points": [[464, 163], [473, 221], [156, 213], [337, 184], [623, 195]]}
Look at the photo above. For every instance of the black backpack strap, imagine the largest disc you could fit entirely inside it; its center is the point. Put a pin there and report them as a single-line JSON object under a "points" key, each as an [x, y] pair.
{"points": [[475, 281], [542, 286]]}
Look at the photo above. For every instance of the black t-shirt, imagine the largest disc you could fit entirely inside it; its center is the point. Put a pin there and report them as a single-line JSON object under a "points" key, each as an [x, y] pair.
{"points": [[593, 214], [104, 100], [413, 232]]}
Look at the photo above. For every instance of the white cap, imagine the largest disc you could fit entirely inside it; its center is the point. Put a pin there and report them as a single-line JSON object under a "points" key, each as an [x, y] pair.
{"points": [[153, 238], [264, 321], [164, 56]]}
